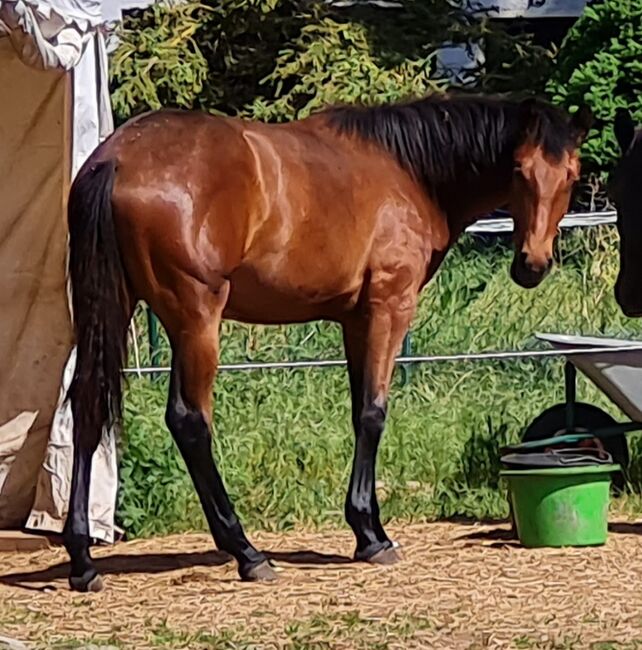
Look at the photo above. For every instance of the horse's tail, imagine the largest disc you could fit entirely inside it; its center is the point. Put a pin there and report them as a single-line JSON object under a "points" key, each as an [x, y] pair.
{"points": [[100, 300]]}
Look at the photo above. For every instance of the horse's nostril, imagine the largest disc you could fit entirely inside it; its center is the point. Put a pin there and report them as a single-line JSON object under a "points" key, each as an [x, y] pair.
{"points": [[536, 266]]}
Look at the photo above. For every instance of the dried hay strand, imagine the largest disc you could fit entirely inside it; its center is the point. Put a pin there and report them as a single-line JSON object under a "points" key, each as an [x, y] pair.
{"points": [[459, 586]]}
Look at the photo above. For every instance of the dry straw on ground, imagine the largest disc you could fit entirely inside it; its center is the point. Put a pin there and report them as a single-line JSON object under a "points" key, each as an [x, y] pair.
{"points": [[459, 586]]}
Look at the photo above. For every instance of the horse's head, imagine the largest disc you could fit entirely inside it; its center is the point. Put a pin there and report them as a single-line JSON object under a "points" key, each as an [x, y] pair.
{"points": [[546, 166], [625, 190]]}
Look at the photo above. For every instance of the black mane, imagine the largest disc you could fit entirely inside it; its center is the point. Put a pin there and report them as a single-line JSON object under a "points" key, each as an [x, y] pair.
{"points": [[443, 139]]}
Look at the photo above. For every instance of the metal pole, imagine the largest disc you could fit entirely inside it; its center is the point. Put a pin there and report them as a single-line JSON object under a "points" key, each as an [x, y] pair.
{"points": [[406, 351], [152, 329], [570, 375]]}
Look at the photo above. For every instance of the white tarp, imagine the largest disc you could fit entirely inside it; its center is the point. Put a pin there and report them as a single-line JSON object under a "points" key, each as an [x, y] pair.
{"points": [[68, 35], [64, 34], [49, 34]]}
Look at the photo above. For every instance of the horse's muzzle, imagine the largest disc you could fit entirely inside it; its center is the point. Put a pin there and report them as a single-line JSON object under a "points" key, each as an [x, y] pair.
{"points": [[529, 274]]}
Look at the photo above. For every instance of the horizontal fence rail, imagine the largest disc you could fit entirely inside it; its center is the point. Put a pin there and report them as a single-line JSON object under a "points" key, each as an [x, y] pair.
{"points": [[417, 359], [571, 220]]}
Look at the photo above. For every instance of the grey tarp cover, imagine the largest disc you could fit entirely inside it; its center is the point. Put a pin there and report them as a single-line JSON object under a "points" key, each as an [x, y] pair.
{"points": [[618, 374]]}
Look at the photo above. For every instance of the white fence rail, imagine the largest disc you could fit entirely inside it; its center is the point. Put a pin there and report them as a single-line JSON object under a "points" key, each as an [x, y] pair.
{"points": [[432, 358], [572, 220]]}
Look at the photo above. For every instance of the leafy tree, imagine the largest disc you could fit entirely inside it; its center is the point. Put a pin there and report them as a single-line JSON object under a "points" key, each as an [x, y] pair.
{"points": [[158, 61], [280, 59], [600, 62]]}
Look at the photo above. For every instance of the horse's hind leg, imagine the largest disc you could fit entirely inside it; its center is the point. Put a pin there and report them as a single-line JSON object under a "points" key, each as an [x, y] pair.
{"points": [[84, 575], [194, 334]]}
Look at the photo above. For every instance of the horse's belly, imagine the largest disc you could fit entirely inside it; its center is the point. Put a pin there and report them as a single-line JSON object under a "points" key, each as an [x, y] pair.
{"points": [[256, 297]]}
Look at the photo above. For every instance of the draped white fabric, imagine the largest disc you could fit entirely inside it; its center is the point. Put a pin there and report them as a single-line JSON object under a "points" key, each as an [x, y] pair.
{"points": [[67, 35]]}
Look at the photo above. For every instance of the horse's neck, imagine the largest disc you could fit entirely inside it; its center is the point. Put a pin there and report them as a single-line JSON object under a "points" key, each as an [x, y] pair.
{"points": [[466, 201]]}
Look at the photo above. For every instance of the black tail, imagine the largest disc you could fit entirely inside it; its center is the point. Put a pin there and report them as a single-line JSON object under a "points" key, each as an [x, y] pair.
{"points": [[100, 300]]}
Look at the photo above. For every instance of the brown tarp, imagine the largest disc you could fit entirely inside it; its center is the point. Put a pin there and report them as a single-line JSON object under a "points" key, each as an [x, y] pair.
{"points": [[35, 336]]}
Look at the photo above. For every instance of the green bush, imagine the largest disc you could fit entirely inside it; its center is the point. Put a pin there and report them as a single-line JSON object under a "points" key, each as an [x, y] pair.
{"points": [[600, 62], [158, 61], [332, 63]]}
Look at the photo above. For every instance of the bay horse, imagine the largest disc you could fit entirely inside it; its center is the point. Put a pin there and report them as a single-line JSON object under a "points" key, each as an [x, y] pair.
{"points": [[343, 216], [625, 189]]}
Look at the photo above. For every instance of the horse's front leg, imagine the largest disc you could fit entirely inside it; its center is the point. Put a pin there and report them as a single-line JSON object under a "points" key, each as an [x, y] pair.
{"points": [[372, 340]]}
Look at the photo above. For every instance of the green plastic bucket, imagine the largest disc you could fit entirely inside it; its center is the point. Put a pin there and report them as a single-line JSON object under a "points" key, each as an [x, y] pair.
{"points": [[566, 506]]}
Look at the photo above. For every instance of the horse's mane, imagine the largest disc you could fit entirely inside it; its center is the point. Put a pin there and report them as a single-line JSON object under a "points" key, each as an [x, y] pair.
{"points": [[441, 139]]}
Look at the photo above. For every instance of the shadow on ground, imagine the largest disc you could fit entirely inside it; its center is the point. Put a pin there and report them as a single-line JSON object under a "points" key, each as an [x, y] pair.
{"points": [[625, 528], [159, 563]]}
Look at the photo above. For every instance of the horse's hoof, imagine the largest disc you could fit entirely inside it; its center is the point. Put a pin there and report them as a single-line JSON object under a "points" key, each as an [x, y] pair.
{"points": [[262, 572], [385, 557], [83, 583]]}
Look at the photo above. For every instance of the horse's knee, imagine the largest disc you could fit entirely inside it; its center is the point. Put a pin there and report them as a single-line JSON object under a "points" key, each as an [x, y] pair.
{"points": [[188, 425], [372, 420]]}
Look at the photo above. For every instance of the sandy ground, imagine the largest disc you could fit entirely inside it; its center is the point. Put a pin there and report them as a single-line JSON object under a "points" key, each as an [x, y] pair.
{"points": [[458, 586]]}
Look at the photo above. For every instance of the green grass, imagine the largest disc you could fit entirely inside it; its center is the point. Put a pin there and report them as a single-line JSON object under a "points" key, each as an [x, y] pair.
{"points": [[323, 630], [73, 643], [164, 636], [283, 438], [354, 631], [576, 643]]}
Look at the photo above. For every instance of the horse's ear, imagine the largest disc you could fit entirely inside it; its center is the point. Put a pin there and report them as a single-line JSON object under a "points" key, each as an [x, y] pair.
{"points": [[582, 121], [624, 129], [528, 114]]}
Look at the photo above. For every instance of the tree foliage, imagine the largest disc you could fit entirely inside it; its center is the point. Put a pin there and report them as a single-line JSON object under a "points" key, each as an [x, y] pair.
{"points": [[600, 63], [280, 59], [332, 62], [158, 61]]}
